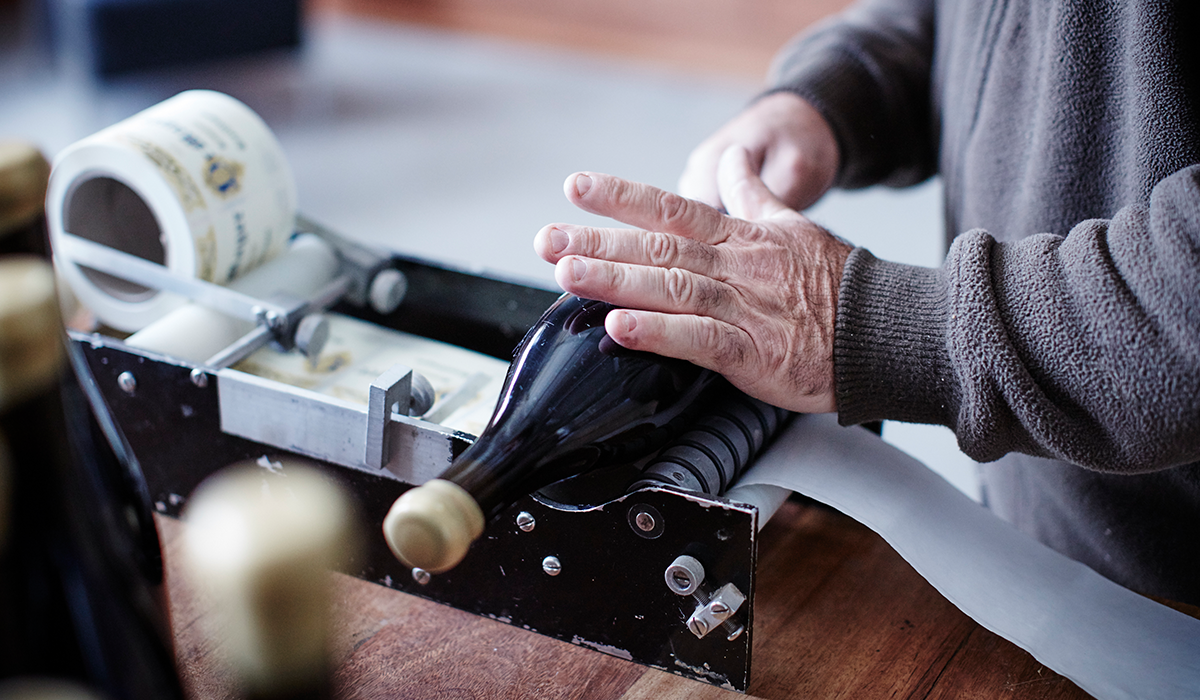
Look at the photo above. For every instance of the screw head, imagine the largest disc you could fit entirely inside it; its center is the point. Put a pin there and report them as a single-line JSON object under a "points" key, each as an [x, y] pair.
{"points": [[719, 608], [699, 627], [199, 377], [645, 520], [127, 382], [421, 576], [552, 566], [525, 521], [684, 575]]}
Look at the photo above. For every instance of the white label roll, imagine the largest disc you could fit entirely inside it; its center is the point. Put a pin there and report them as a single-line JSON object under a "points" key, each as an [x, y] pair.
{"points": [[197, 183]]}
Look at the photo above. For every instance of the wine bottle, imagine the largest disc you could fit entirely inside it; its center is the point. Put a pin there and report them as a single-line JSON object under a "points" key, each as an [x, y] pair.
{"points": [[574, 400], [80, 597], [24, 173]]}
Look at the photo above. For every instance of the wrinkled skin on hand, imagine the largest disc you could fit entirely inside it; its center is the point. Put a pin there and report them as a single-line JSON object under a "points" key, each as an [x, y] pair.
{"points": [[751, 294]]}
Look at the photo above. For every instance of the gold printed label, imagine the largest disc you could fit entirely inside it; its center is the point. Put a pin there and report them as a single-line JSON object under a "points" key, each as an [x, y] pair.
{"points": [[183, 184], [223, 176], [206, 255]]}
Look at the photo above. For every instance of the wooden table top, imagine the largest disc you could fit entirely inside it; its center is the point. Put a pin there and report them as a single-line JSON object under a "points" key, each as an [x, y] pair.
{"points": [[838, 614]]}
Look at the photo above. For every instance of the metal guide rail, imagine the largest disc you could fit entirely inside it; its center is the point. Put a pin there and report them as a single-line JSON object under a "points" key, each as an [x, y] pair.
{"points": [[656, 575]]}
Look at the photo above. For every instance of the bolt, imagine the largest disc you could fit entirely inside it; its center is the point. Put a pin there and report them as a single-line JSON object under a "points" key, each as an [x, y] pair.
{"points": [[199, 378], [734, 631], [421, 576], [684, 576], [645, 521], [552, 566], [127, 382], [525, 521]]}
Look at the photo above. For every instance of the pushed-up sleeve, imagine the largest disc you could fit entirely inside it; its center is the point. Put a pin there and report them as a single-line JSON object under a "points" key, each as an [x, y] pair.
{"points": [[1084, 347], [868, 72]]}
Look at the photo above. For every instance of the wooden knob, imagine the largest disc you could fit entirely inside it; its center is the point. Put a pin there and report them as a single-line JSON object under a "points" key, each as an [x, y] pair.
{"points": [[433, 525]]}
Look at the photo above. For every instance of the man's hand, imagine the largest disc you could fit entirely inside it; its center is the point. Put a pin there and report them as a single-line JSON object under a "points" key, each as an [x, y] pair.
{"points": [[751, 295], [791, 147]]}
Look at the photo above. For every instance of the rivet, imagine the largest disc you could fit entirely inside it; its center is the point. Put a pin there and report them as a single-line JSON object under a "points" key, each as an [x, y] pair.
{"points": [[552, 566], [525, 521], [127, 382], [421, 576]]}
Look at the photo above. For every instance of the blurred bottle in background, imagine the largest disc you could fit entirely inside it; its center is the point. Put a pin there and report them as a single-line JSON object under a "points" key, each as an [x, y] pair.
{"points": [[81, 595], [261, 544]]}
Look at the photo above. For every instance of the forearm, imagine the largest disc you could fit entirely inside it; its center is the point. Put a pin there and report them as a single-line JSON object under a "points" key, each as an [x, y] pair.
{"points": [[1085, 348]]}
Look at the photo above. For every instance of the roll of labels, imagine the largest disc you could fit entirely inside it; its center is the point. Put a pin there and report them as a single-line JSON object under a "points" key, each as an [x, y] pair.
{"points": [[179, 224]]}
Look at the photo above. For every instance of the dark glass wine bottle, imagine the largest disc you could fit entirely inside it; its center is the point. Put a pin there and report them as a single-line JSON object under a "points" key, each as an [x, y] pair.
{"points": [[574, 400], [24, 174], [80, 578]]}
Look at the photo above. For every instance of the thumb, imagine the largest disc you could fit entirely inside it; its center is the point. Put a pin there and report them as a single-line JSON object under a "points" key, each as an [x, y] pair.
{"points": [[742, 191]]}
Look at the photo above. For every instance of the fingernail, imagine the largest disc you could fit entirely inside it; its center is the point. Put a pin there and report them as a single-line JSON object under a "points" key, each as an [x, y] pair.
{"points": [[558, 240], [578, 269], [583, 183], [629, 321]]}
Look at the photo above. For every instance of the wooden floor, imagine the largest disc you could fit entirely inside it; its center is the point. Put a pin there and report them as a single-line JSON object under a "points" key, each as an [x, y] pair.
{"points": [[732, 37], [838, 614]]}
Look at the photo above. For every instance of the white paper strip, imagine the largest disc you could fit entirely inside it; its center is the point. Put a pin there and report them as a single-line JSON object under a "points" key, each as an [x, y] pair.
{"points": [[1109, 640]]}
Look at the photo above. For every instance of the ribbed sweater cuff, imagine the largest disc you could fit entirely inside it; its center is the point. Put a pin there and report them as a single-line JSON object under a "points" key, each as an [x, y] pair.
{"points": [[891, 359]]}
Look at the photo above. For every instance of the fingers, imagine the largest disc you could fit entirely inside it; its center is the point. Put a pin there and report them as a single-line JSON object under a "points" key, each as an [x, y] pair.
{"points": [[699, 178], [556, 241], [669, 290], [645, 207], [706, 342], [743, 193]]}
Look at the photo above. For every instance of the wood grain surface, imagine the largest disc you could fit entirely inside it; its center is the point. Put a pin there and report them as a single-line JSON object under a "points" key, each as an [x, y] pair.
{"points": [[838, 614]]}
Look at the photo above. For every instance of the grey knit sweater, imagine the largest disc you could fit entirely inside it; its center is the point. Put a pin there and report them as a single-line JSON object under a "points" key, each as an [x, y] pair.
{"points": [[1061, 338]]}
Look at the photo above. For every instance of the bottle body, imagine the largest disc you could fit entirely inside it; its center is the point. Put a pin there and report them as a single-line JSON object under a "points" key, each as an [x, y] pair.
{"points": [[80, 573], [574, 400]]}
